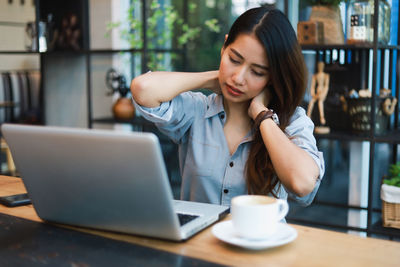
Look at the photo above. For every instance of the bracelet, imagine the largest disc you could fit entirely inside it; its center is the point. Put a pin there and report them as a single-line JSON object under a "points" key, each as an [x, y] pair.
{"points": [[263, 115]]}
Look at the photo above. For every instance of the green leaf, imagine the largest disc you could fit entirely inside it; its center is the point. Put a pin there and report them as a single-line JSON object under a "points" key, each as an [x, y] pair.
{"points": [[394, 170], [192, 7], [394, 175], [212, 25], [154, 5]]}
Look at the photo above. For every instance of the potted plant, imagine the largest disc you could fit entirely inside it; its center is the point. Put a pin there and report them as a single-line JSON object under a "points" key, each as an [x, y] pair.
{"points": [[328, 12], [390, 195]]}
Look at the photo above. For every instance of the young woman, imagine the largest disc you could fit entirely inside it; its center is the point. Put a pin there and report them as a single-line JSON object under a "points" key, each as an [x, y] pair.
{"points": [[249, 136]]}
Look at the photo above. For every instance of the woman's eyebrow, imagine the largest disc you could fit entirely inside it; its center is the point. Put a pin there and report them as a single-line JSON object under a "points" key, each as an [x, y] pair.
{"points": [[254, 64], [237, 53]]}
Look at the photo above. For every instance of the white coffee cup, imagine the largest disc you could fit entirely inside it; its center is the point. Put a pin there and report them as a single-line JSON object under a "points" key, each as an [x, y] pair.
{"points": [[257, 217]]}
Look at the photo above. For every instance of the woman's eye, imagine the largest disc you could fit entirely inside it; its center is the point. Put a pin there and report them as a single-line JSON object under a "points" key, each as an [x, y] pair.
{"points": [[258, 73], [233, 60]]}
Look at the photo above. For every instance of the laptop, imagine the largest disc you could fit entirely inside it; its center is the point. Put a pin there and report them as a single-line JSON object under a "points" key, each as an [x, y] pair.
{"points": [[104, 179]]}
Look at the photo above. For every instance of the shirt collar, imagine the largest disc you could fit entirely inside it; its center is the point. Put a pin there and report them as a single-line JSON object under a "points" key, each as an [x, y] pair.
{"points": [[249, 137], [215, 106]]}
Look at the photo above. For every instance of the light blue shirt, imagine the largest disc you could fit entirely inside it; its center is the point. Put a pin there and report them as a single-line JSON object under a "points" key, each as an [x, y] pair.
{"points": [[209, 172]]}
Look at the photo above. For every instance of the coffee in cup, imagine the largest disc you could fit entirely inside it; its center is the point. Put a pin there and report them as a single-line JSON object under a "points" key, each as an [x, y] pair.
{"points": [[257, 217]]}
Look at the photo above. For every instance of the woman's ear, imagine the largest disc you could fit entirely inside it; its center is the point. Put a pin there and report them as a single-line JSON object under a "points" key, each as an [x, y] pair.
{"points": [[223, 46]]}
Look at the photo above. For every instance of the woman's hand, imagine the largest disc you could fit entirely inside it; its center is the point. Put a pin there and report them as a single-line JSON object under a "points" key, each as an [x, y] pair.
{"points": [[259, 103]]}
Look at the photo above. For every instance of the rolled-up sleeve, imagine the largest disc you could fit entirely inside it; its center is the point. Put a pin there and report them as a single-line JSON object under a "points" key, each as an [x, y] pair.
{"points": [[174, 117], [300, 130]]}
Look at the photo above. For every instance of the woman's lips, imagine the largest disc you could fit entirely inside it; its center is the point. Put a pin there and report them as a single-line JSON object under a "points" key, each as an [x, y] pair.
{"points": [[233, 91]]}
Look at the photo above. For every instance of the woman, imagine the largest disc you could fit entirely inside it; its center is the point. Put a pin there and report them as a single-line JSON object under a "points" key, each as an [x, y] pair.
{"points": [[231, 142]]}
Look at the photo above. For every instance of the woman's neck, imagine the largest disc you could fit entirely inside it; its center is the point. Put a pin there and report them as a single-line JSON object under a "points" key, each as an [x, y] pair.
{"points": [[237, 113]]}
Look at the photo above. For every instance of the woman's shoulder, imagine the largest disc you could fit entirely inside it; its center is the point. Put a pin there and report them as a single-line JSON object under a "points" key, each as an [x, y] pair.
{"points": [[299, 121], [299, 113]]}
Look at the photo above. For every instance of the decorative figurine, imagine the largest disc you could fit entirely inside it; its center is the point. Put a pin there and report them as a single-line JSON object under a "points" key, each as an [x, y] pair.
{"points": [[69, 36], [319, 91], [123, 108]]}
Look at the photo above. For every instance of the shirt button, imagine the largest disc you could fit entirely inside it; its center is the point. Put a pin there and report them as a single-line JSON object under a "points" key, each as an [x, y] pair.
{"points": [[226, 191], [222, 116], [231, 163]]}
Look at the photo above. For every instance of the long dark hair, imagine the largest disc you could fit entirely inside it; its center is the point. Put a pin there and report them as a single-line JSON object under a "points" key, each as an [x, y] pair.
{"points": [[287, 84]]}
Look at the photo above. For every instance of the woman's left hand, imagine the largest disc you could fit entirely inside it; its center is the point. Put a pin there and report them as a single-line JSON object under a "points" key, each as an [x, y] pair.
{"points": [[259, 103]]}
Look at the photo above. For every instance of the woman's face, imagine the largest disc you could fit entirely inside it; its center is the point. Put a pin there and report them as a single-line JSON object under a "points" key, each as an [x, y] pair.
{"points": [[243, 71]]}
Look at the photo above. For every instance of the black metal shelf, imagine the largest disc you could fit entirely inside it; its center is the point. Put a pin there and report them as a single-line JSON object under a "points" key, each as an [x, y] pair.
{"points": [[344, 136], [13, 24], [377, 228], [361, 46], [338, 205], [362, 62], [392, 137], [16, 52]]}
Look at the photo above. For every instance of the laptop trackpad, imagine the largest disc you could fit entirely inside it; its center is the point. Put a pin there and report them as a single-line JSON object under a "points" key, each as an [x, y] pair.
{"points": [[185, 218], [192, 210]]}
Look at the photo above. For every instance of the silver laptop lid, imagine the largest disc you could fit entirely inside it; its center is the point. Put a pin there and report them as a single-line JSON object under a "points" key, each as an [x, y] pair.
{"points": [[95, 178]]}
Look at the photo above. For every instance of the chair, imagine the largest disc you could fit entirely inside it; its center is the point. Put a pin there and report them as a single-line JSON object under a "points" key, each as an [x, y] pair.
{"points": [[19, 103]]}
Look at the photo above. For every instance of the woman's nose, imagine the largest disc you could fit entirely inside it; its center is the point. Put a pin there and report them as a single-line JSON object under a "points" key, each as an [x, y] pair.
{"points": [[239, 76]]}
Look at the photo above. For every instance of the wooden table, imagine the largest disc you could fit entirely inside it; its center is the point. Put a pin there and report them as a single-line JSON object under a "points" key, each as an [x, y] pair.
{"points": [[313, 246]]}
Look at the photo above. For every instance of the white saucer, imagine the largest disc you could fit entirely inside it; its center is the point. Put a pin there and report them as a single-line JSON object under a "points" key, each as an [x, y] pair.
{"points": [[225, 232]]}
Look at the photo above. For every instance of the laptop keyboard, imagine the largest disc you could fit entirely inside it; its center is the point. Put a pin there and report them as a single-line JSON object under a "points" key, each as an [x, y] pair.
{"points": [[185, 218]]}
